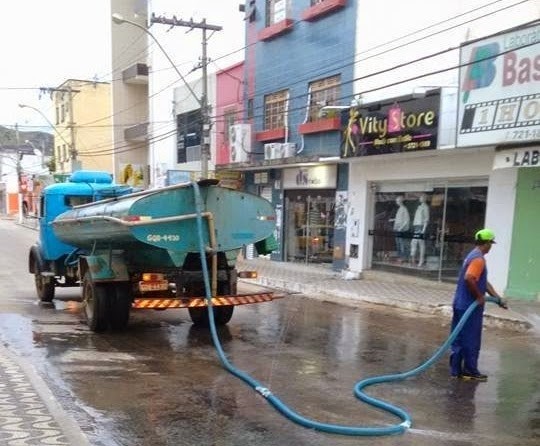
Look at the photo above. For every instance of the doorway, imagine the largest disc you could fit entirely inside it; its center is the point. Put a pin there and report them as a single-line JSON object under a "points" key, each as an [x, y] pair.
{"points": [[309, 228]]}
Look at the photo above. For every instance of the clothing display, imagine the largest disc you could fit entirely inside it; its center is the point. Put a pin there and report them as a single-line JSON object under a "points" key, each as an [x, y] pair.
{"points": [[420, 223], [401, 226]]}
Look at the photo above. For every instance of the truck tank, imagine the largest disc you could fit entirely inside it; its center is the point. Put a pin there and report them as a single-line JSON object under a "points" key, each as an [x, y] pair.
{"points": [[166, 219]]}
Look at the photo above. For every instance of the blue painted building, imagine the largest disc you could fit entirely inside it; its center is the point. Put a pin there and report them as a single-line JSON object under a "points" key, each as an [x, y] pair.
{"points": [[298, 77]]}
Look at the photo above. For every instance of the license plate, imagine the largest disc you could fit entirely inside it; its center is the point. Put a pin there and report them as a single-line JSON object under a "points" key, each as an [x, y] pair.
{"points": [[161, 285]]}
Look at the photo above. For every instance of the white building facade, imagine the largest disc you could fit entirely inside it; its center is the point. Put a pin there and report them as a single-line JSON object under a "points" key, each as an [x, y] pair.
{"points": [[463, 180]]}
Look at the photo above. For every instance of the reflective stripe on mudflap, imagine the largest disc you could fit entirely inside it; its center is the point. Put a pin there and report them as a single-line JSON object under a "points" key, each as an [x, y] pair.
{"points": [[201, 302]]}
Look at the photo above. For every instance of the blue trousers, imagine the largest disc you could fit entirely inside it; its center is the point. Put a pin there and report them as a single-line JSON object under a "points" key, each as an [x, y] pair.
{"points": [[466, 346]]}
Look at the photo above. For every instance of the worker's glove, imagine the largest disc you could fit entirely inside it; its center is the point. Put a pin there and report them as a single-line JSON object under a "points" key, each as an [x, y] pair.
{"points": [[502, 303]]}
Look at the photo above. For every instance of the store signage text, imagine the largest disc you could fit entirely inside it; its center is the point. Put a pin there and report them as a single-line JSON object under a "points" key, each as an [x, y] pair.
{"points": [[523, 157], [527, 158], [523, 71], [399, 126], [312, 177], [396, 122]]}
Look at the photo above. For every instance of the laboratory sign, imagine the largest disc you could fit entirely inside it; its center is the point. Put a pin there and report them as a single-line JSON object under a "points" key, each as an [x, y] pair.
{"points": [[523, 157], [404, 124], [499, 99]]}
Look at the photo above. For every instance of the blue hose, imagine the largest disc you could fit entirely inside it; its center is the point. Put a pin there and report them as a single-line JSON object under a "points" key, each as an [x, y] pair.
{"points": [[359, 386]]}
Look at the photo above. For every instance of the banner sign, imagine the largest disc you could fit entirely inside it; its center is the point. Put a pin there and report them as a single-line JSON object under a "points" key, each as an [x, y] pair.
{"points": [[499, 96], [402, 125]]}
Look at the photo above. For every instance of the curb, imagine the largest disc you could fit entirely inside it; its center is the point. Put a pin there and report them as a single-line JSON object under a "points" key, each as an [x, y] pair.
{"points": [[345, 298]]}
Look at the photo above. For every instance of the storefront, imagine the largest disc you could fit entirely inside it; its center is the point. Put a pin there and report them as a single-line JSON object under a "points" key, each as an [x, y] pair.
{"points": [[424, 228], [417, 214], [309, 213], [415, 201]]}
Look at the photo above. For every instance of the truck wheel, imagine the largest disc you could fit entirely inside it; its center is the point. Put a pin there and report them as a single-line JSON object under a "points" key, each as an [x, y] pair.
{"points": [[120, 306], [95, 304], [222, 315], [44, 285]]}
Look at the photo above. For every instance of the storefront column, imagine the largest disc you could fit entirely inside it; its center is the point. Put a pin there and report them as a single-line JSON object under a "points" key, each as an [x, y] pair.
{"points": [[360, 199], [500, 217]]}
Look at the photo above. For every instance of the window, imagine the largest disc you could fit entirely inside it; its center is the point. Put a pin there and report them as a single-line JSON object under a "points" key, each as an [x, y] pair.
{"points": [[188, 131], [77, 200], [250, 109], [323, 92], [276, 11], [64, 153], [275, 107], [428, 231], [62, 113], [229, 118], [57, 116]]}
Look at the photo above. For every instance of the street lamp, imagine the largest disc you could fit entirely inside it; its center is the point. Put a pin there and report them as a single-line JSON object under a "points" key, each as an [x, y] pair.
{"points": [[119, 20], [37, 151], [72, 151]]}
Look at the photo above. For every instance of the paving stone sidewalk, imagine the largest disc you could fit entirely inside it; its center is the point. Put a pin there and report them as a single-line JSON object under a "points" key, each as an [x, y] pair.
{"points": [[29, 413]]}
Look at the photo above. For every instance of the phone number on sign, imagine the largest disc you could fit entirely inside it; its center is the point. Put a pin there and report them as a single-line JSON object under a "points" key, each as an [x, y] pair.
{"points": [[520, 135], [162, 238]]}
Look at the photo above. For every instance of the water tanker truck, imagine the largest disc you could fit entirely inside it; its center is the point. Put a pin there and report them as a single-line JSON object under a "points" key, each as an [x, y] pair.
{"points": [[133, 250]]}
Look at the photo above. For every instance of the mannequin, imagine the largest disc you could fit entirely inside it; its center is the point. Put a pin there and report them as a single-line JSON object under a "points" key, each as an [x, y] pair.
{"points": [[420, 223], [402, 223]]}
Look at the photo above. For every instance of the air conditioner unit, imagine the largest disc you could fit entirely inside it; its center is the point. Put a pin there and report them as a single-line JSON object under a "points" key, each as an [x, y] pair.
{"points": [[272, 150], [288, 149], [239, 143]]}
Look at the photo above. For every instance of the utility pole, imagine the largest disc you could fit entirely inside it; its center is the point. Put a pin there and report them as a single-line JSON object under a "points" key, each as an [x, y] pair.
{"points": [[203, 101]]}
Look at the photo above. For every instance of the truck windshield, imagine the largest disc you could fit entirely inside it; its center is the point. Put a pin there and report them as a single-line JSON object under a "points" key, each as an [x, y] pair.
{"points": [[76, 200]]}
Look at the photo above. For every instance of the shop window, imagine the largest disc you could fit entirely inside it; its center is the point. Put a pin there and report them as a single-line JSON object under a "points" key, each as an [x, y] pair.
{"points": [[427, 233]]}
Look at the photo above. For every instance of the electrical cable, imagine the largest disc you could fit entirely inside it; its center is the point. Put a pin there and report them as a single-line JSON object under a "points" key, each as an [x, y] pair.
{"points": [[379, 45], [353, 80], [359, 387]]}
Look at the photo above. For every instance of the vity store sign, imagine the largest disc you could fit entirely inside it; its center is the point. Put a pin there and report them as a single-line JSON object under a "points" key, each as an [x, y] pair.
{"points": [[401, 125], [499, 97]]}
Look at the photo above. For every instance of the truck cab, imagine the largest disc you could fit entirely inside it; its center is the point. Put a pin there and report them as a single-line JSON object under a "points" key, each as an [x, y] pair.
{"points": [[49, 258]]}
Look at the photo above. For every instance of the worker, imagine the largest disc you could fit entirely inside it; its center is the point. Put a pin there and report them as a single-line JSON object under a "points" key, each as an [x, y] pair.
{"points": [[472, 285]]}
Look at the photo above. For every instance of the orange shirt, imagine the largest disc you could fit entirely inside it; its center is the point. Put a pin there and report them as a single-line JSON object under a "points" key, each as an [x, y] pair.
{"points": [[475, 268]]}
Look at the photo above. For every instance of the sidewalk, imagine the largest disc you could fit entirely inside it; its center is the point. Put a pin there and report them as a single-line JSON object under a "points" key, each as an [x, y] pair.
{"points": [[382, 288], [29, 413]]}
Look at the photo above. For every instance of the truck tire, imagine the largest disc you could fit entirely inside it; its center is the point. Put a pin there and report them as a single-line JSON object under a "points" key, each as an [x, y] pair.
{"points": [[44, 286], [120, 306], [222, 315], [95, 304]]}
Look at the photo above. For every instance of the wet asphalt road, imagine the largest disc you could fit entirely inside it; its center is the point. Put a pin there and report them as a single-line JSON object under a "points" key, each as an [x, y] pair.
{"points": [[161, 383]]}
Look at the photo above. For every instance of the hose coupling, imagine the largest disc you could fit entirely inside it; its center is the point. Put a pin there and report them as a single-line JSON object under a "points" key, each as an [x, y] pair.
{"points": [[263, 391]]}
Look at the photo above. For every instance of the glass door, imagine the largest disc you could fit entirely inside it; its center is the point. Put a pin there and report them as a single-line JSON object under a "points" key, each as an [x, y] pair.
{"points": [[309, 225]]}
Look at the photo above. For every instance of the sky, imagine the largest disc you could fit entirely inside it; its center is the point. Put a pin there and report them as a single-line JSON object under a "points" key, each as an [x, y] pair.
{"points": [[45, 42]]}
